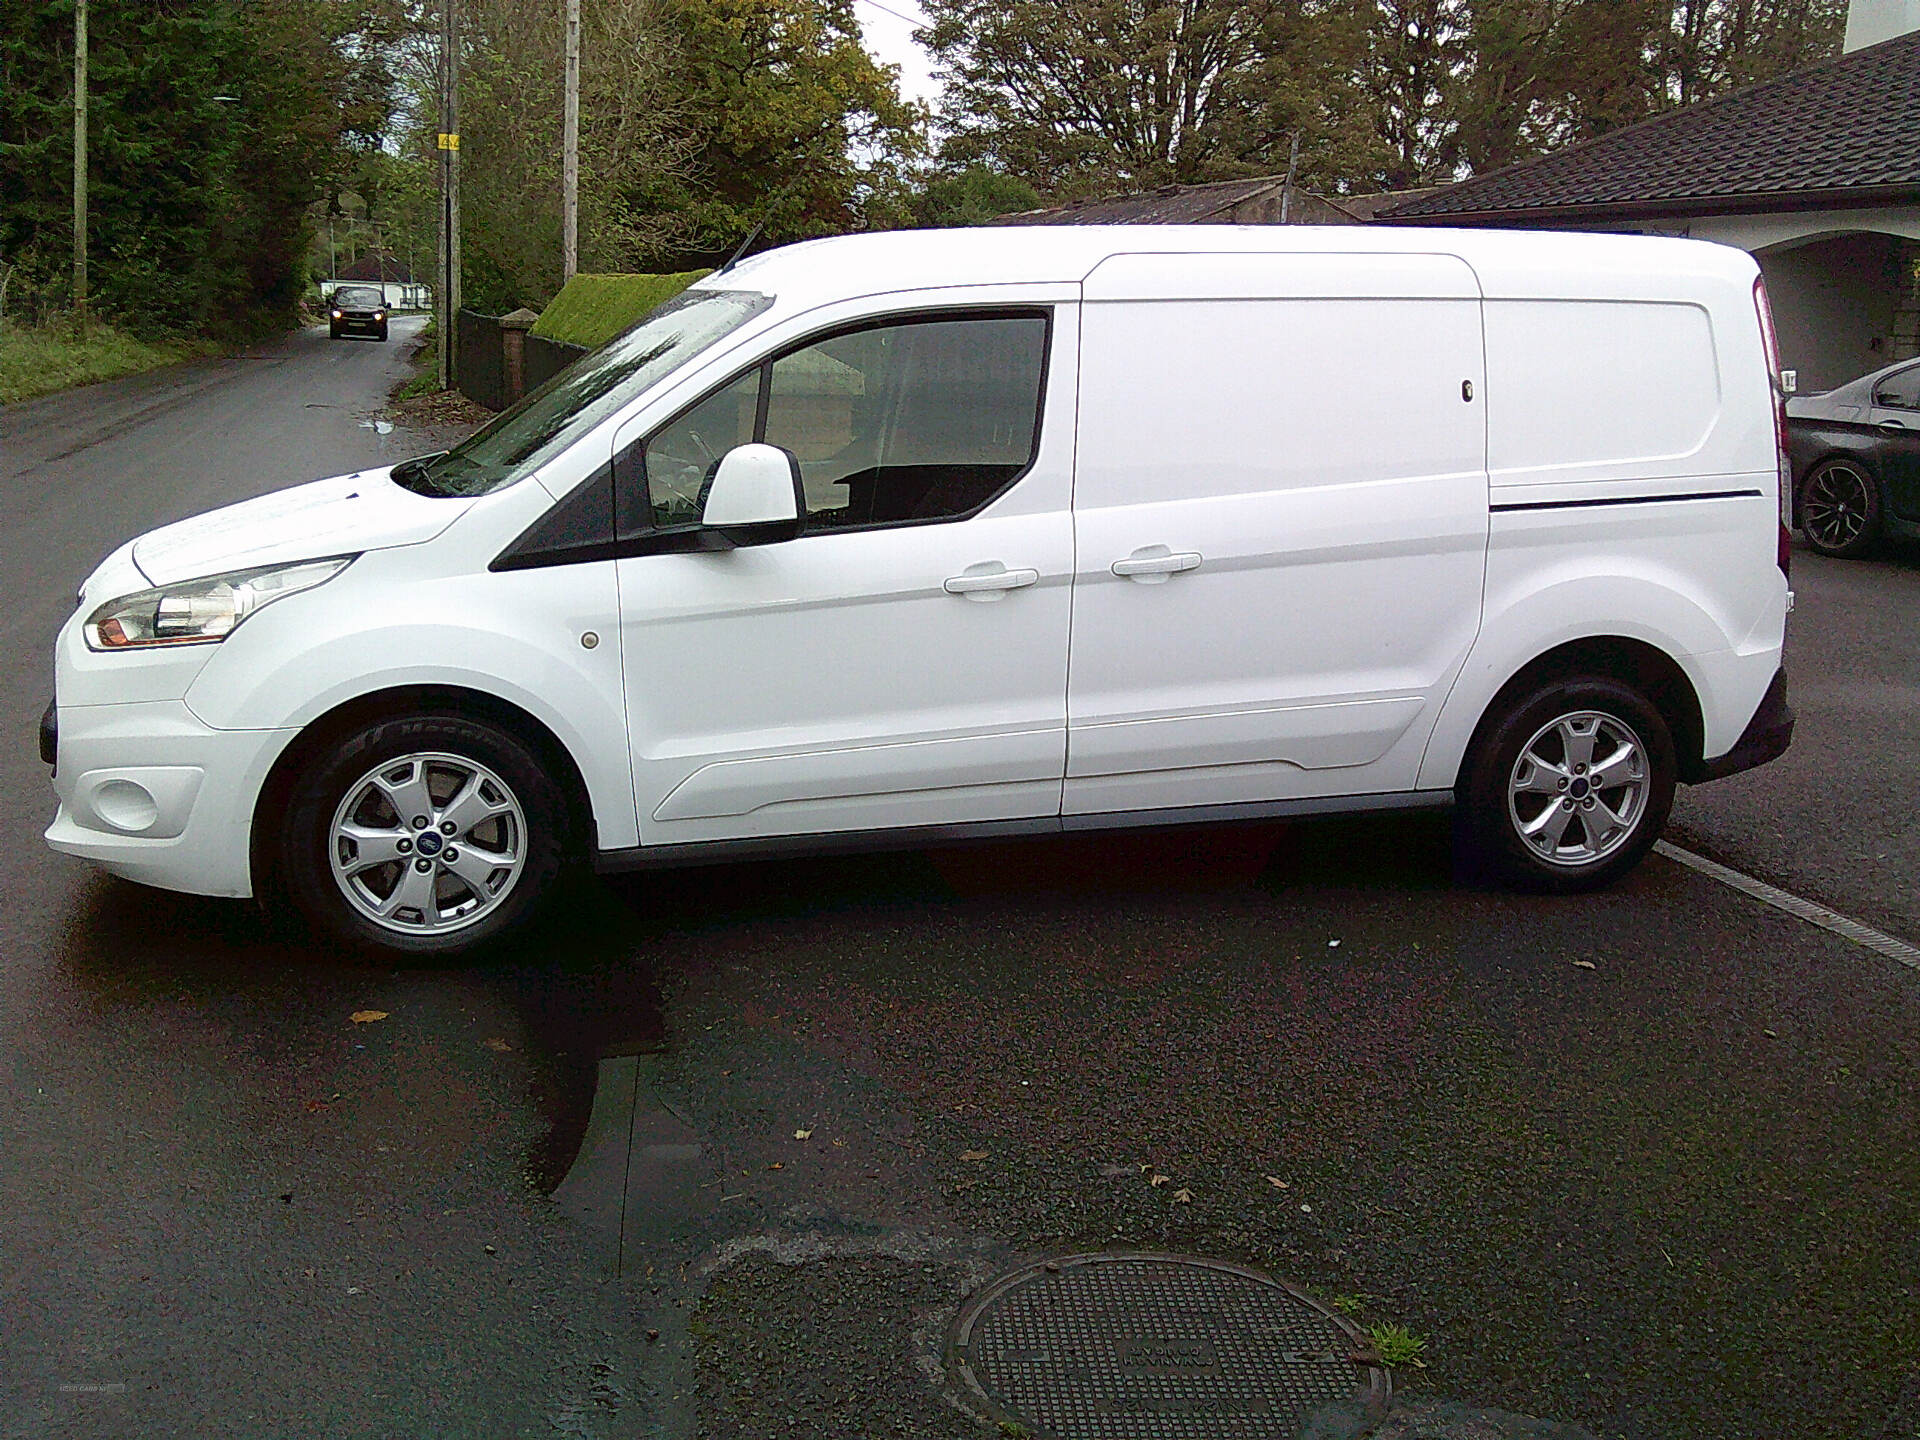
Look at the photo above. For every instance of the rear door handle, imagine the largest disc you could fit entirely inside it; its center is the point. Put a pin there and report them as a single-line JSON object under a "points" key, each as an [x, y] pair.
{"points": [[1152, 565], [989, 581]]}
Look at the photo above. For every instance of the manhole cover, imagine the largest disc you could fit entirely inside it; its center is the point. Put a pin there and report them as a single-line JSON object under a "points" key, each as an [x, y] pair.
{"points": [[1158, 1347]]}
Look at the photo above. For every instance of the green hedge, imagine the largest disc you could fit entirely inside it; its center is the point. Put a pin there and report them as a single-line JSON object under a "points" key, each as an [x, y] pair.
{"points": [[592, 309]]}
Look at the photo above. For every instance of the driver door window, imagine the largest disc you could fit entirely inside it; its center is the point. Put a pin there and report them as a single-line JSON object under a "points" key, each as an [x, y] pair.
{"points": [[912, 421]]}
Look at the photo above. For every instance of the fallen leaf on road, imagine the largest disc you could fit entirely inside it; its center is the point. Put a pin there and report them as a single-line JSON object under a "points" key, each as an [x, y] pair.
{"points": [[802, 1134], [314, 1107], [776, 1165], [839, 1144], [1157, 1180], [353, 1289], [367, 1017], [973, 1154], [1333, 944], [1183, 1196], [1276, 1182], [1585, 965], [1306, 1208], [496, 1043]]}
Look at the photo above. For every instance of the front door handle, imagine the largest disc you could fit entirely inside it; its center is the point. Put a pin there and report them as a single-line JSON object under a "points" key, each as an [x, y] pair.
{"points": [[989, 581], [1154, 563]]}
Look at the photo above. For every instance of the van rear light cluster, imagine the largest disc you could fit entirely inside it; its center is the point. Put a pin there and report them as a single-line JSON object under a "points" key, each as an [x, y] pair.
{"points": [[1784, 460]]}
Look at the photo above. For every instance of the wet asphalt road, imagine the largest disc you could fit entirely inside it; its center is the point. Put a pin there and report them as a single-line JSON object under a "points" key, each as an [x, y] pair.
{"points": [[1645, 1161]]}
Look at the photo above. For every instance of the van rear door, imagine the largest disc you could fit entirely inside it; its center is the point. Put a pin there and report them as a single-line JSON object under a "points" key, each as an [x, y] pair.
{"points": [[1281, 524]]}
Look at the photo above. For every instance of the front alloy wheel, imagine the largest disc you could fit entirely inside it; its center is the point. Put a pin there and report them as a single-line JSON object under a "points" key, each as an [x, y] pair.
{"points": [[430, 836], [427, 842]]}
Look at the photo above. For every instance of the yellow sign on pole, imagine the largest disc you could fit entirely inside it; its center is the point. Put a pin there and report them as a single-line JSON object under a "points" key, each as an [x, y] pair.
{"points": [[449, 142]]}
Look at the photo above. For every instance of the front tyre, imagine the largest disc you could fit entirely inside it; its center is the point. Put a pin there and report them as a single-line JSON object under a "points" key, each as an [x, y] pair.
{"points": [[1567, 788], [429, 836]]}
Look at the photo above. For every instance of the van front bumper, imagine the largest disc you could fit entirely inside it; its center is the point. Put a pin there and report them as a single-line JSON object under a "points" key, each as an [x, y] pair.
{"points": [[150, 793], [1766, 737]]}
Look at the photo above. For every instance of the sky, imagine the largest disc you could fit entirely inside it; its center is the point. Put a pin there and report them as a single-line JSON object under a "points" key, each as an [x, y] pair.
{"points": [[888, 28]]}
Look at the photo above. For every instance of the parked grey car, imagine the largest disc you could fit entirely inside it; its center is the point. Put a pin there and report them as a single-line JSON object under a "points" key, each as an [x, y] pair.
{"points": [[1856, 461]]}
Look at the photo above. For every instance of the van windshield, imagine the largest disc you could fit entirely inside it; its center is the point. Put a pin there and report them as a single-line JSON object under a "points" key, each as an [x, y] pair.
{"points": [[517, 441]]}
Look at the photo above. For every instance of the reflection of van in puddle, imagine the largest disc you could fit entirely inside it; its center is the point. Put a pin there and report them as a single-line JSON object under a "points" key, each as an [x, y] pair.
{"points": [[908, 538]]}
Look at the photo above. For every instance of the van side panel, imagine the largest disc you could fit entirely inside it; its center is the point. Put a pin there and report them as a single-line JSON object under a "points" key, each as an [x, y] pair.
{"points": [[1633, 488], [1299, 432], [1605, 390]]}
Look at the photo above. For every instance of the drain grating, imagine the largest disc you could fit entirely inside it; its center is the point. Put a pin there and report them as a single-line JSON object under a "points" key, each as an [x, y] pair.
{"points": [[1156, 1347]]}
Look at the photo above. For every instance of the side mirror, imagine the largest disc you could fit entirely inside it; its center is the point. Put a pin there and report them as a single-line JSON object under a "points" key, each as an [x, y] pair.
{"points": [[755, 496]]}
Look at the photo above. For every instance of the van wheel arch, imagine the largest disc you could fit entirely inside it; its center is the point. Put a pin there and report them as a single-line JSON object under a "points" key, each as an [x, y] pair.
{"points": [[1646, 668], [405, 702]]}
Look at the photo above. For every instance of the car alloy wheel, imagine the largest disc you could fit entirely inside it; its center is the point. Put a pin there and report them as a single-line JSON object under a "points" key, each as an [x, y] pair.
{"points": [[1840, 509], [1567, 785], [427, 842], [1579, 788]]}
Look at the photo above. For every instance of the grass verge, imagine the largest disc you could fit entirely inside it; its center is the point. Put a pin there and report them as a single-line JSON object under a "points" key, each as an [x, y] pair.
{"points": [[39, 361]]}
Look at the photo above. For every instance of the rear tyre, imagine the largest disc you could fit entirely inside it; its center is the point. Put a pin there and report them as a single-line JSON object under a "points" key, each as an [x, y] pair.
{"points": [[429, 837], [1840, 509], [1567, 788]]}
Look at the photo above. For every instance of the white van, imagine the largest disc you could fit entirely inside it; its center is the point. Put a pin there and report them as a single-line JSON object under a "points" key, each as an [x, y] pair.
{"points": [[911, 538]]}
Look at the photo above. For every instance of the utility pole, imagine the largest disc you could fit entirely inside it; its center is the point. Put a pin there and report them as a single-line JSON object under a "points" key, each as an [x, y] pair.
{"points": [[80, 163], [570, 151], [449, 186], [1286, 187]]}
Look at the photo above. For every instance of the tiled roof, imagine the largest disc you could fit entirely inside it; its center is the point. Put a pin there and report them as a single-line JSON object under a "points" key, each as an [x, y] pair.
{"points": [[372, 267], [1829, 131], [1169, 205]]}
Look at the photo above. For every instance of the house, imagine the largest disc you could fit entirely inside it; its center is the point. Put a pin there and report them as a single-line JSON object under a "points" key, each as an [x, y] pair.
{"points": [[1261, 200], [389, 273], [1816, 173]]}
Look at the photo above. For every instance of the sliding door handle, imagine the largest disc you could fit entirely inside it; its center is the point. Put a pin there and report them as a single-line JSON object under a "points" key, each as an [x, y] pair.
{"points": [[1152, 565]]}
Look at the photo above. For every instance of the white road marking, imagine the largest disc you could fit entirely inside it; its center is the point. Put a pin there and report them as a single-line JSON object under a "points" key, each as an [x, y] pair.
{"points": [[1875, 940]]}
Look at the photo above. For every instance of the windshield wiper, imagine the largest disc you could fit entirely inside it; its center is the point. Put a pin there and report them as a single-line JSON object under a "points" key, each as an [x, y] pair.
{"points": [[408, 473]]}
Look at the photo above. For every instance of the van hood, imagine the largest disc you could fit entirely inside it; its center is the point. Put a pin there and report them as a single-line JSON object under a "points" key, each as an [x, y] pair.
{"points": [[341, 516]]}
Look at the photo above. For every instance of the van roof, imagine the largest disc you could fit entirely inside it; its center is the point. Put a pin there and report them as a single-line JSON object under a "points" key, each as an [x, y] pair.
{"points": [[1520, 263]]}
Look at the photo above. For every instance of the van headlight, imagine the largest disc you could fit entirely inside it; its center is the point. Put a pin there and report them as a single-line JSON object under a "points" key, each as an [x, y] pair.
{"points": [[201, 611]]}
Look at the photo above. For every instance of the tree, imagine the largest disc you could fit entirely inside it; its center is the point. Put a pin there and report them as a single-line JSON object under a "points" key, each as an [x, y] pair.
{"points": [[214, 127], [789, 124], [1466, 86], [972, 196], [1088, 95]]}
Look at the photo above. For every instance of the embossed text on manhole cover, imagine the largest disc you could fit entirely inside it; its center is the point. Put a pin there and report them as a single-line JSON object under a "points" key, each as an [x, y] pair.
{"points": [[1156, 1347]]}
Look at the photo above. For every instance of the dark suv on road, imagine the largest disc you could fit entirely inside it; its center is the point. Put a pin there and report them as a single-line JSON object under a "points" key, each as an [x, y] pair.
{"points": [[357, 310]]}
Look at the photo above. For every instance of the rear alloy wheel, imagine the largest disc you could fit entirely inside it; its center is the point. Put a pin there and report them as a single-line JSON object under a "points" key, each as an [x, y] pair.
{"points": [[1570, 789], [430, 836], [1840, 509]]}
